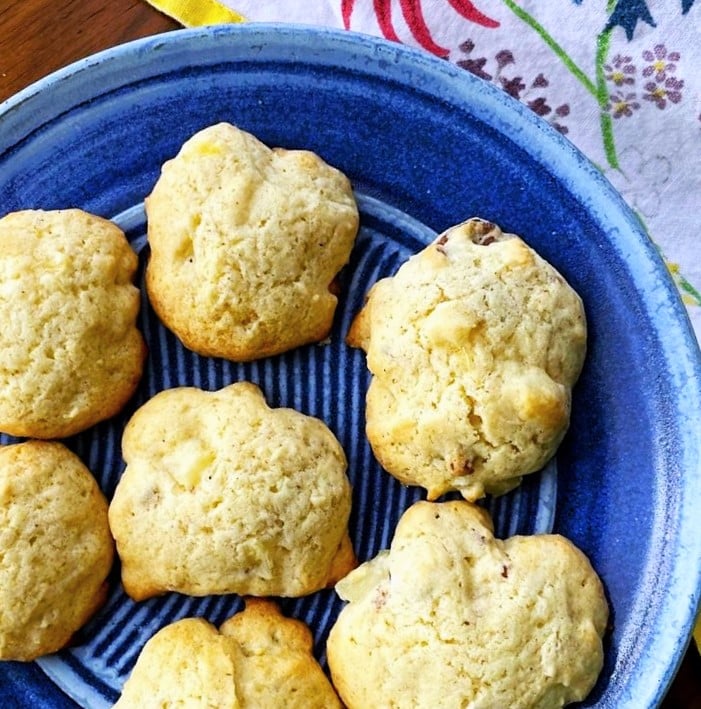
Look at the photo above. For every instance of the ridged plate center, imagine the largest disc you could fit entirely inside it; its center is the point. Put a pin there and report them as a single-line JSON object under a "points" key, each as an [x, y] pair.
{"points": [[326, 380]]}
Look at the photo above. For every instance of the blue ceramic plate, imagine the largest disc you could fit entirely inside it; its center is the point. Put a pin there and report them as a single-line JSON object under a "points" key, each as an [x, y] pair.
{"points": [[426, 145]]}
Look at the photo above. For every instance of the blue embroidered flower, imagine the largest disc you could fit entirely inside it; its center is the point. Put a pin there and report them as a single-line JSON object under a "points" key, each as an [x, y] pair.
{"points": [[627, 13]]}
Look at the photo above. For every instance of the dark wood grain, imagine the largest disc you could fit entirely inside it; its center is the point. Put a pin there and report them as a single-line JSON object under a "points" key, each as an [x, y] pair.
{"points": [[40, 36]]}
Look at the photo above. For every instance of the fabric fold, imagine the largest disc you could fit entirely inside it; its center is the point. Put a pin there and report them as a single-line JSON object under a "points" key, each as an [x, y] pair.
{"points": [[197, 13]]}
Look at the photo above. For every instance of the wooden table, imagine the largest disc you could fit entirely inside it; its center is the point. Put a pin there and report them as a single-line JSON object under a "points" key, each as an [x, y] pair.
{"points": [[40, 36]]}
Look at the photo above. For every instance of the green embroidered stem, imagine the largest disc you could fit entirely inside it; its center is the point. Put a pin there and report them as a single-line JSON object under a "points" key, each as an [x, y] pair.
{"points": [[603, 42], [689, 289], [597, 89], [557, 49]]}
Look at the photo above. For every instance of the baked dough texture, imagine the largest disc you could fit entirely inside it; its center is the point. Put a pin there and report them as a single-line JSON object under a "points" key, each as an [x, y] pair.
{"points": [[451, 617], [70, 352], [274, 660], [245, 244], [55, 548], [259, 660], [474, 346], [222, 494], [185, 664]]}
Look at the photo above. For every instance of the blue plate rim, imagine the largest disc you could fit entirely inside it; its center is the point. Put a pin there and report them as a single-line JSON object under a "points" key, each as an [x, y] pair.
{"points": [[662, 303]]}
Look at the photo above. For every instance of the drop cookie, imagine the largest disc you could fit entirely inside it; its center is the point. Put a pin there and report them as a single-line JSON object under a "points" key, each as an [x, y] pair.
{"points": [[274, 660], [474, 346], [246, 242], [55, 548], [223, 494], [258, 658], [450, 616], [70, 352]]}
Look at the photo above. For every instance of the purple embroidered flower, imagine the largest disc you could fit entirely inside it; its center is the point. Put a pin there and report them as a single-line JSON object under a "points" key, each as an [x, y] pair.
{"points": [[621, 70], [660, 93], [561, 111], [513, 87], [539, 106], [622, 104], [504, 58], [530, 92], [474, 66], [661, 62]]}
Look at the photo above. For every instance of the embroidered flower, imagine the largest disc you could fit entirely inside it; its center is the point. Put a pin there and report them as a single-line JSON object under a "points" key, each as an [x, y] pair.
{"points": [[661, 62], [561, 112], [515, 85], [539, 106], [473, 65], [621, 71], [622, 104], [504, 58], [660, 93]]}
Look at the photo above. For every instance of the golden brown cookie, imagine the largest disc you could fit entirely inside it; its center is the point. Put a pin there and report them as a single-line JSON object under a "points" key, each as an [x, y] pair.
{"points": [[55, 548], [185, 664], [245, 244], [275, 666], [70, 352], [450, 617], [474, 346], [223, 494], [260, 659]]}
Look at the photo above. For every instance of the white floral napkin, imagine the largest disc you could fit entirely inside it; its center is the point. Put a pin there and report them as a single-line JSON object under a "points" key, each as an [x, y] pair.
{"points": [[620, 78]]}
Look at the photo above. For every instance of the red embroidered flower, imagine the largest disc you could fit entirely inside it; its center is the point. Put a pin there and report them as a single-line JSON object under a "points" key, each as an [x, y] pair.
{"points": [[412, 12]]}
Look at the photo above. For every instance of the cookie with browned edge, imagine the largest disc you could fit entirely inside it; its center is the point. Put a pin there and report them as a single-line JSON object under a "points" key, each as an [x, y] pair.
{"points": [[70, 352], [474, 346], [259, 658], [246, 242], [55, 548], [449, 616], [224, 494]]}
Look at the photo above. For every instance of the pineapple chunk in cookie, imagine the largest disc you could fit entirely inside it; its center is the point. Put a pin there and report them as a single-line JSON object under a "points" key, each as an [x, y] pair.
{"points": [[474, 345]]}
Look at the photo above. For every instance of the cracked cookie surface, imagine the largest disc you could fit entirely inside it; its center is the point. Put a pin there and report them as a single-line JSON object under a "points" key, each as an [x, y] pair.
{"points": [[223, 494], [474, 345], [450, 616], [246, 242], [70, 352]]}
